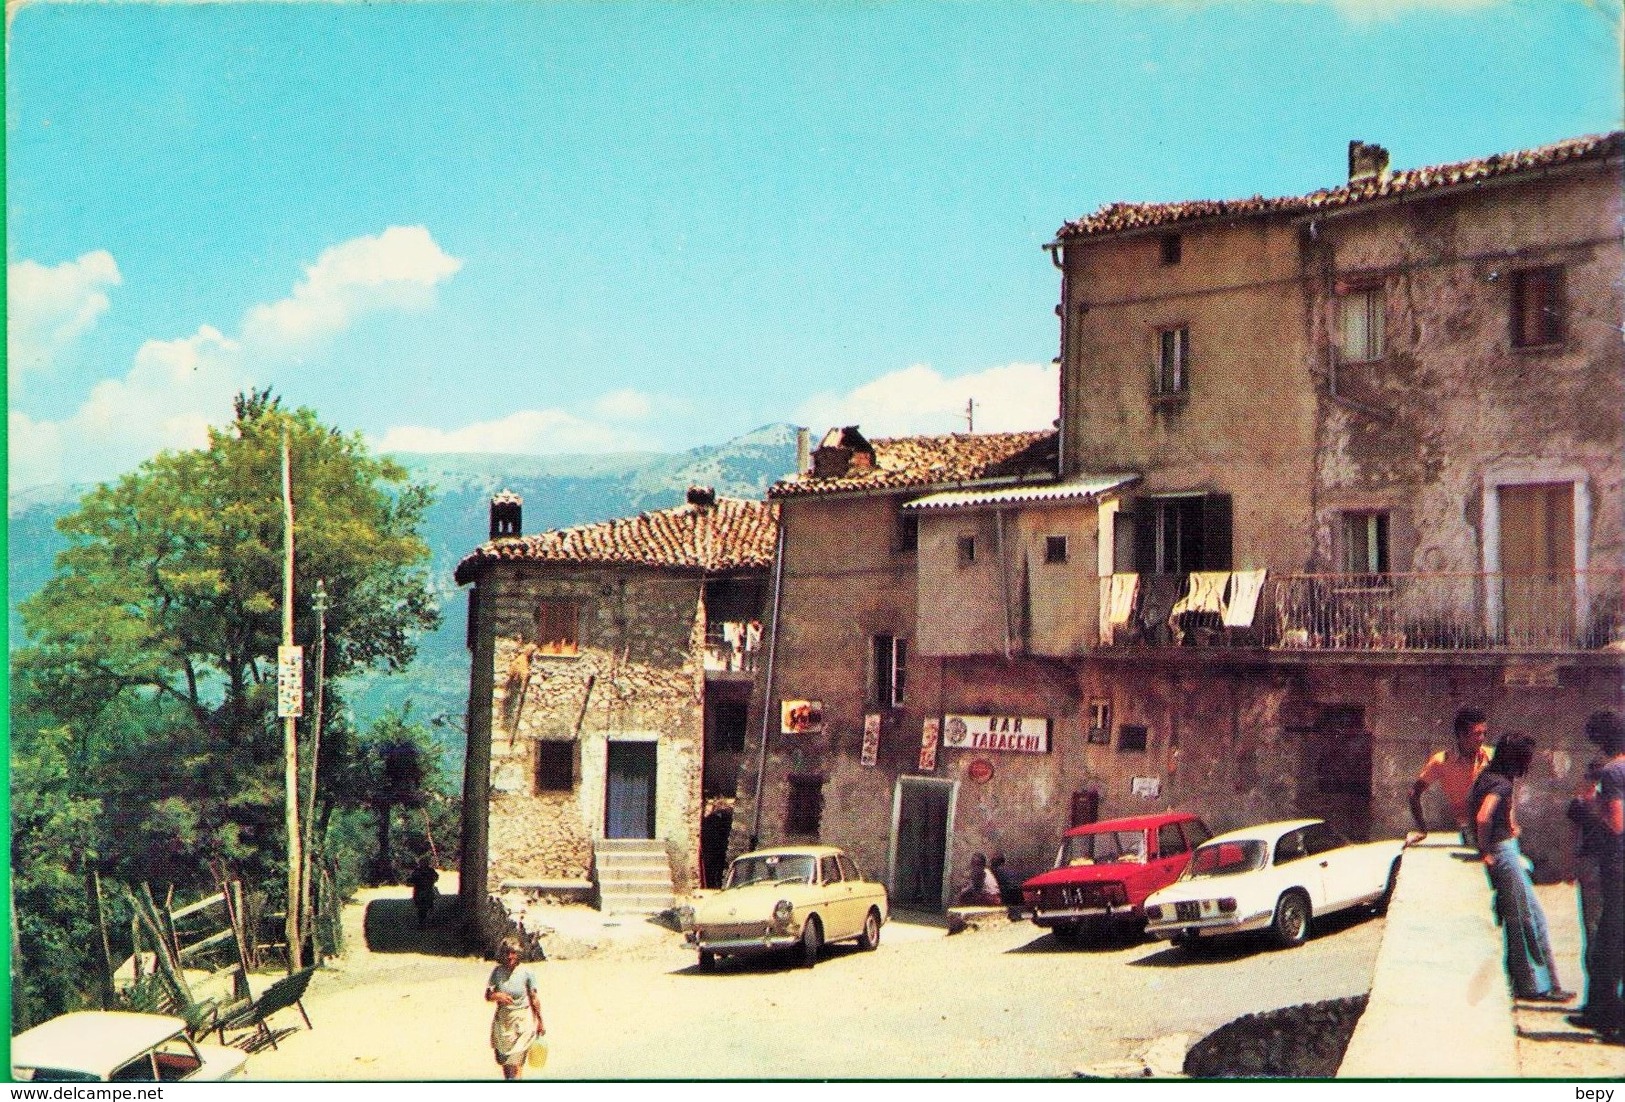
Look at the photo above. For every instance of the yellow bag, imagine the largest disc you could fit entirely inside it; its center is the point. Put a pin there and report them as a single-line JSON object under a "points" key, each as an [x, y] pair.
{"points": [[538, 1053]]}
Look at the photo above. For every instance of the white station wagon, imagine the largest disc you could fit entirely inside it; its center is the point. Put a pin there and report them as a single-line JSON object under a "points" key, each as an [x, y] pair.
{"points": [[1276, 876], [117, 1046]]}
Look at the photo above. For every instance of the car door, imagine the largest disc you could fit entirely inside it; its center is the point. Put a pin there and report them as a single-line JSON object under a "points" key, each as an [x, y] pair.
{"points": [[1340, 869], [1172, 853], [1294, 867], [838, 920], [865, 893]]}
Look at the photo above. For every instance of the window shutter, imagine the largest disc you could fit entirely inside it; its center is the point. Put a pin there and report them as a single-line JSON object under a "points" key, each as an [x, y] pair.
{"points": [[1216, 532], [1145, 538]]}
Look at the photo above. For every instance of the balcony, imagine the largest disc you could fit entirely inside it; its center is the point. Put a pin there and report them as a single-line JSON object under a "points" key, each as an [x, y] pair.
{"points": [[731, 646], [1433, 612]]}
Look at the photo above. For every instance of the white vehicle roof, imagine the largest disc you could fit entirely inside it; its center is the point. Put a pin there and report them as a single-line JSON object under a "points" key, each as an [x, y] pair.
{"points": [[1263, 832], [92, 1042]]}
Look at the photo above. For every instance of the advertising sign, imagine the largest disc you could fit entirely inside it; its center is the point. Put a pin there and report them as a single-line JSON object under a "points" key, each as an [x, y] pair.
{"points": [[871, 738], [1021, 734], [928, 745], [290, 682], [801, 717], [980, 770]]}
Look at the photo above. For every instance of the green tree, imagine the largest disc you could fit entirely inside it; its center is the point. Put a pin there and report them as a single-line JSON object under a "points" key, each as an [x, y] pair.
{"points": [[153, 646]]}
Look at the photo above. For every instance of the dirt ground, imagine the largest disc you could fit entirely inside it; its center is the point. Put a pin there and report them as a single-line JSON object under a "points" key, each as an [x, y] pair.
{"points": [[1548, 1047]]}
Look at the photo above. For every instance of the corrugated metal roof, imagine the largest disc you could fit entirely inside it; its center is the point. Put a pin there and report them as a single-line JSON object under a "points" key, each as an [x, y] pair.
{"points": [[1086, 486]]}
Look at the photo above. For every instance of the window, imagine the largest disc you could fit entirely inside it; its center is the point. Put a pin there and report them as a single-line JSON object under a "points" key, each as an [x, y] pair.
{"points": [[1171, 248], [967, 550], [849, 870], [1360, 325], [1100, 721], [1177, 535], [1173, 360], [908, 532], [806, 804], [891, 668], [829, 869], [1131, 737], [1537, 307], [1169, 840], [557, 623], [555, 766], [1365, 543], [1290, 847], [1055, 549]]}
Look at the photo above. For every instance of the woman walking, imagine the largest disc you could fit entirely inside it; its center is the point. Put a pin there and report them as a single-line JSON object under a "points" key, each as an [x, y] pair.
{"points": [[518, 1020], [1492, 806]]}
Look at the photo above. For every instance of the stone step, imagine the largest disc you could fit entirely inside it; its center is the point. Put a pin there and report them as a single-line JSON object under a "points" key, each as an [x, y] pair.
{"points": [[632, 845], [636, 904]]}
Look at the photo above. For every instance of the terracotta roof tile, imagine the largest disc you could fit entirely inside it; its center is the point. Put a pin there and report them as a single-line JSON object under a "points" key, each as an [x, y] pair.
{"points": [[909, 461], [733, 535], [1122, 217]]}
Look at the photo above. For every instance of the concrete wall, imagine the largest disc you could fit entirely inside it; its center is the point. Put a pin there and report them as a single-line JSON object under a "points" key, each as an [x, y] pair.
{"points": [[1247, 425]]}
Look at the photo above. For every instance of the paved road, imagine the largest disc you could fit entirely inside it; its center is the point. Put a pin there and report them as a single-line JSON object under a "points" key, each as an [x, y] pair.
{"points": [[1003, 1001]]}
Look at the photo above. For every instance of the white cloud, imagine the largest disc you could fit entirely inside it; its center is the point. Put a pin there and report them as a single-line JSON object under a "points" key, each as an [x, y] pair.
{"points": [[530, 431], [918, 400], [175, 389], [624, 405], [49, 308], [398, 270]]}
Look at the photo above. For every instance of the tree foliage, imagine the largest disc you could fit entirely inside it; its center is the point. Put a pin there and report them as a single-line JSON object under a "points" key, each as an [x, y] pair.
{"points": [[144, 701]]}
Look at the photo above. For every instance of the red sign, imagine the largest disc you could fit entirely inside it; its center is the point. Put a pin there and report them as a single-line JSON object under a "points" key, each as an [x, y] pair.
{"points": [[980, 770]]}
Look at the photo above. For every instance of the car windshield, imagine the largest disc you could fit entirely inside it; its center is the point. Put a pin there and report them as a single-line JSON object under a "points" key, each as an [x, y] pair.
{"points": [[771, 868], [1102, 848], [1227, 858]]}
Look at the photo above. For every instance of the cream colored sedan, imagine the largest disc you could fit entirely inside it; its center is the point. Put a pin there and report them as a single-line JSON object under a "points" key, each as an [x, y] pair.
{"points": [[786, 897]]}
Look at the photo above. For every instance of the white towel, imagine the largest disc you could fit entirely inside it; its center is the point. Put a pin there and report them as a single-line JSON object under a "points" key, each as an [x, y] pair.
{"points": [[1120, 602], [1245, 586], [1206, 593]]}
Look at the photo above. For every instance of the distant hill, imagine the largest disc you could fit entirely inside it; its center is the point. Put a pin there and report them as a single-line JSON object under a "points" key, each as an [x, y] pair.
{"points": [[559, 491]]}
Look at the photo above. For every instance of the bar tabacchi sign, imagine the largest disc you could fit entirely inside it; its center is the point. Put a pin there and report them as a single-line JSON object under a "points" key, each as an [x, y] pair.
{"points": [[1022, 734]]}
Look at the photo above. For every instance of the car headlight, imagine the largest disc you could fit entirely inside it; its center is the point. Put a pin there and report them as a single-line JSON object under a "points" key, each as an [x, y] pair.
{"points": [[782, 910], [685, 918]]}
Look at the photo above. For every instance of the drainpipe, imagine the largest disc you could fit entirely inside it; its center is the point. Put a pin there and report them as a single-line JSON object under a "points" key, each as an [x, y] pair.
{"points": [[1004, 579], [767, 693]]}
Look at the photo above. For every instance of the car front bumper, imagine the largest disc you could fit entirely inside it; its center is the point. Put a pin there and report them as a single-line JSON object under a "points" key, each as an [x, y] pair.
{"points": [[1215, 926], [1062, 916], [767, 941]]}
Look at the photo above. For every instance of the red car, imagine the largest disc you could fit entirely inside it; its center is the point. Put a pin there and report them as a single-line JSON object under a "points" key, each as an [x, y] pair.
{"points": [[1104, 871]]}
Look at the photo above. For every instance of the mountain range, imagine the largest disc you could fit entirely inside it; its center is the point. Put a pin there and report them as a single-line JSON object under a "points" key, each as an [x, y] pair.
{"points": [[559, 491]]}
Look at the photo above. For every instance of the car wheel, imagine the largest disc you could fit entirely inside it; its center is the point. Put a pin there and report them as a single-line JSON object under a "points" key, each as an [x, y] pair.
{"points": [[869, 940], [1292, 917], [708, 961], [1380, 906], [812, 940]]}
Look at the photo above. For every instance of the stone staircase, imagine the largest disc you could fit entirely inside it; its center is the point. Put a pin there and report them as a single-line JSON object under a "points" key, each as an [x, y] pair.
{"points": [[633, 874]]}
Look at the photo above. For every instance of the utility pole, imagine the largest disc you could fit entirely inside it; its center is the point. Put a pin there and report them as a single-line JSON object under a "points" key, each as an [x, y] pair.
{"points": [[318, 602], [970, 415], [289, 657]]}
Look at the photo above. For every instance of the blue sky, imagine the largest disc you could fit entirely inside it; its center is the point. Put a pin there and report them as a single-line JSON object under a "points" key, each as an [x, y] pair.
{"points": [[540, 227]]}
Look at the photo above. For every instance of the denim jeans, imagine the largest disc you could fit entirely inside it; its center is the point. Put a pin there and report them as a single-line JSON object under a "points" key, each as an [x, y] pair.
{"points": [[1523, 923]]}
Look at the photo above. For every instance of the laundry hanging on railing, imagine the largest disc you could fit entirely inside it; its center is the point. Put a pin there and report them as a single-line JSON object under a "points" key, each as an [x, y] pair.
{"points": [[1245, 587]]}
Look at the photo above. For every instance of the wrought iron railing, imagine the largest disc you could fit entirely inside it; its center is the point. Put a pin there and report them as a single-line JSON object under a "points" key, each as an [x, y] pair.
{"points": [[1383, 612]]}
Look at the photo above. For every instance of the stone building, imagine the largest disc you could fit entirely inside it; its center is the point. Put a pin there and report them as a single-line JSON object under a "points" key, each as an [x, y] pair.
{"points": [[611, 673], [1328, 468]]}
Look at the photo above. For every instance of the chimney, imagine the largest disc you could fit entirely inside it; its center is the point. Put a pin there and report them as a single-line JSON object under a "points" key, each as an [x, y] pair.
{"points": [[505, 514], [702, 497], [842, 451], [1367, 162], [803, 451]]}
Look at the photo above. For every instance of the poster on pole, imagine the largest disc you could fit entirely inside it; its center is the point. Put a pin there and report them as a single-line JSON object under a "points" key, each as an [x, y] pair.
{"points": [[929, 732], [290, 682], [871, 738]]}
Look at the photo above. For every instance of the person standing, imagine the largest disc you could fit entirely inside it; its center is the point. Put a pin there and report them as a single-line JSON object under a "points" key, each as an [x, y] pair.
{"points": [[425, 883], [1604, 1010], [1492, 803], [1454, 771], [518, 1019]]}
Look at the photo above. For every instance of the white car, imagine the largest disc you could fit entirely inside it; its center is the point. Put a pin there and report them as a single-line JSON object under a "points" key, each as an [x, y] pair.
{"points": [[1276, 876], [115, 1046]]}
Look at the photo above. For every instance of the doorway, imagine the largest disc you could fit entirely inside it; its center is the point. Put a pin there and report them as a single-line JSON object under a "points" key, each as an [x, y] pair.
{"points": [[1537, 563], [920, 841], [629, 803]]}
